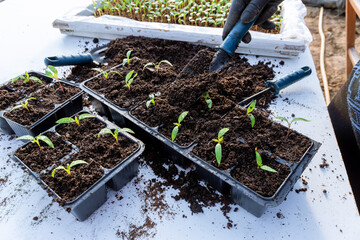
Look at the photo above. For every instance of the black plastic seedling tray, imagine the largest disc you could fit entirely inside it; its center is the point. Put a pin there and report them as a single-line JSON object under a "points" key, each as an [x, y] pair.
{"points": [[3, 123], [67, 108], [223, 182], [90, 200]]}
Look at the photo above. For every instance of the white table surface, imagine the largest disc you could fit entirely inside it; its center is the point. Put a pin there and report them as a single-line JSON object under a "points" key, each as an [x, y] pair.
{"points": [[27, 37]]}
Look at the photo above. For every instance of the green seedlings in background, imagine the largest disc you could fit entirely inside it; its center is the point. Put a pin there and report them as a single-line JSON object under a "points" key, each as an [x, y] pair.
{"points": [[249, 114], [218, 148], [150, 101], [24, 104], [52, 72], [289, 123], [37, 140], [115, 134], [130, 78], [105, 73], [26, 77], [177, 125], [68, 167], [157, 65], [208, 100], [75, 119], [260, 165], [127, 60]]}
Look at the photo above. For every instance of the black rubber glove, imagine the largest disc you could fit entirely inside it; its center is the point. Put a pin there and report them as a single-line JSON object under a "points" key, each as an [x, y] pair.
{"points": [[247, 10]]}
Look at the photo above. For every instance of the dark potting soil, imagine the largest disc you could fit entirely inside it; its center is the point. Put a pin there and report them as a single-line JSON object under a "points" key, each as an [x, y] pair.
{"points": [[38, 160], [48, 97], [69, 187], [104, 149], [9, 98]]}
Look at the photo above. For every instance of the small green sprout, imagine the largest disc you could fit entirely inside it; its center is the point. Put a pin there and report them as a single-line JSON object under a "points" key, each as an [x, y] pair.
{"points": [[75, 119], [127, 59], [289, 123], [37, 140], [105, 73], [218, 148], [68, 167], [177, 125], [26, 77], [260, 165], [208, 100], [151, 100], [24, 104], [157, 65], [115, 134], [249, 114], [52, 72], [130, 78]]}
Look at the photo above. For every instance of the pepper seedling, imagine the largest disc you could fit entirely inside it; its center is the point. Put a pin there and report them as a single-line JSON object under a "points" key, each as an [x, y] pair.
{"points": [[157, 65], [289, 123], [127, 60], [218, 148], [115, 134], [177, 125], [68, 167], [260, 165], [208, 100], [37, 140], [75, 119], [150, 101], [24, 104], [249, 114], [105, 73], [26, 77], [130, 78], [52, 72]]}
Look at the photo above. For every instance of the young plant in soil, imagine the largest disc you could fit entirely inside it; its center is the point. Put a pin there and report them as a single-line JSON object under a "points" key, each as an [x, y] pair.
{"points": [[260, 164], [75, 119], [105, 73], [130, 78], [177, 125], [68, 167], [127, 60], [115, 134], [26, 77], [24, 104], [37, 140], [208, 100], [150, 101], [218, 148], [52, 72], [157, 65], [289, 123], [249, 114]]}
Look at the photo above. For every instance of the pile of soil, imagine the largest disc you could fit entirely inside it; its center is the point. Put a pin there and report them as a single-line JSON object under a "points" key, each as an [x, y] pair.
{"points": [[69, 187], [46, 100], [11, 93], [38, 160]]}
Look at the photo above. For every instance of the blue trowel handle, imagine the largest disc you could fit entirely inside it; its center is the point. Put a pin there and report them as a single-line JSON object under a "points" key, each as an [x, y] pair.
{"points": [[233, 39], [279, 84], [68, 60]]}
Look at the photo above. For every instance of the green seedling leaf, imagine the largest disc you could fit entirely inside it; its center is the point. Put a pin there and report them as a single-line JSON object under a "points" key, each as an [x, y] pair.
{"points": [[26, 137], [68, 167], [252, 119], [267, 168], [222, 132], [260, 164], [77, 162], [218, 153], [289, 123], [58, 168], [125, 130], [174, 133], [65, 120], [85, 115], [182, 116], [105, 131], [249, 114], [46, 140], [151, 101], [148, 65], [53, 69], [300, 119]]}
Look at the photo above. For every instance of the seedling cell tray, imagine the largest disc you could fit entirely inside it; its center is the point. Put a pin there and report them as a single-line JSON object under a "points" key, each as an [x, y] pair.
{"points": [[67, 108], [3, 123], [90, 200], [223, 182]]}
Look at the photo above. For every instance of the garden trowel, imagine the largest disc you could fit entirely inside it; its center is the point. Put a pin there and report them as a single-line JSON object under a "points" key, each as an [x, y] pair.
{"points": [[96, 56]]}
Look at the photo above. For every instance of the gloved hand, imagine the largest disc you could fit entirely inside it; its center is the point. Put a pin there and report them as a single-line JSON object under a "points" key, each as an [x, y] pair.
{"points": [[247, 10]]}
